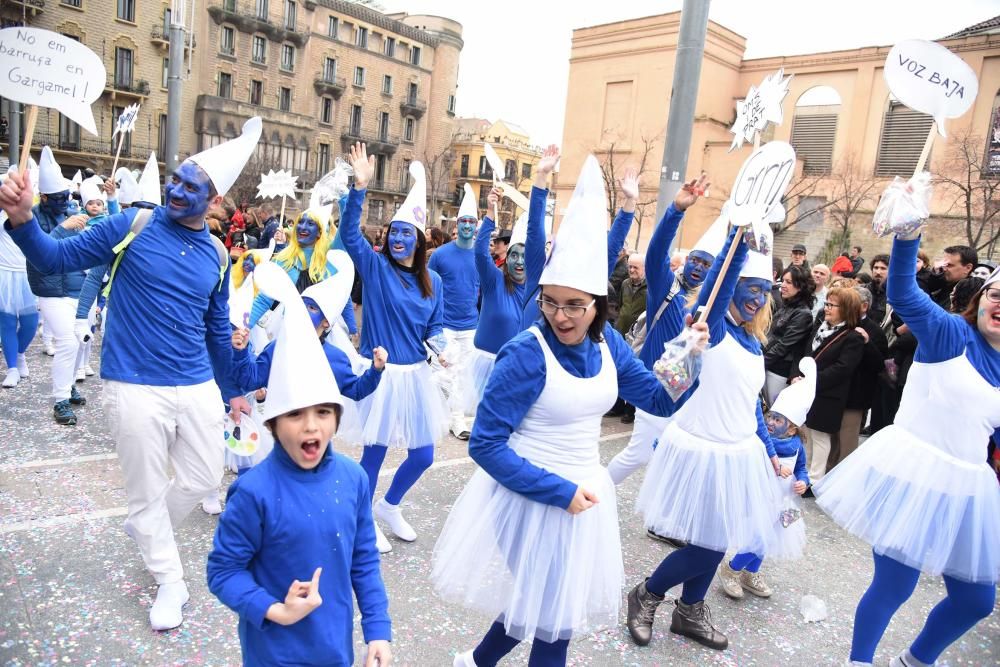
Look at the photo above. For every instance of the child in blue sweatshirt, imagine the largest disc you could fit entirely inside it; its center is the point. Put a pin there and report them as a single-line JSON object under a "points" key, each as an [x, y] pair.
{"points": [[297, 535], [783, 423]]}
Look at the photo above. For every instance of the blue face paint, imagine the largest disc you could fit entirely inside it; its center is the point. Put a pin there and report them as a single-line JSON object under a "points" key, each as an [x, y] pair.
{"points": [[466, 231], [248, 264], [515, 263], [56, 203], [315, 312], [777, 424], [696, 267], [307, 231], [402, 240], [188, 193], [751, 296]]}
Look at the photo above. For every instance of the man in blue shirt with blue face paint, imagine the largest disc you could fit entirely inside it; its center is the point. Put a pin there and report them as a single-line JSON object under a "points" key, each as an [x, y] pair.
{"points": [[455, 263], [166, 350]]}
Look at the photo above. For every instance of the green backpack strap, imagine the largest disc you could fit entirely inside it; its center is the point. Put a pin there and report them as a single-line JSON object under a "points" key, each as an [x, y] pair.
{"points": [[220, 248], [139, 223]]}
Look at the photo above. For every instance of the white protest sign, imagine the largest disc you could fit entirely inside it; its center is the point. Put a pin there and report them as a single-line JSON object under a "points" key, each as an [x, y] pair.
{"points": [[760, 185], [126, 121], [46, 69], [927, 77], [761, 106], [276, 184], [496, 164]]}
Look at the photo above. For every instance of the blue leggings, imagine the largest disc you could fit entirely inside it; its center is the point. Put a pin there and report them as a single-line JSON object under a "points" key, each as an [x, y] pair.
{"points": [[16, 332], [746, 561], [497, 643], [417, 461], [965, 605], [692, 566]]}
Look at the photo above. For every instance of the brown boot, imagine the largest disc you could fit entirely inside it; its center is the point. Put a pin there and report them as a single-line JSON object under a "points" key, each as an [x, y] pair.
{"points": [[695, 622], [641, 608]]}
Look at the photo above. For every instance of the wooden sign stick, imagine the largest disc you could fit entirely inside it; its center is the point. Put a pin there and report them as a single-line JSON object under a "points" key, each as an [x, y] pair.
{"points": [[29, 132], [926, 151]]}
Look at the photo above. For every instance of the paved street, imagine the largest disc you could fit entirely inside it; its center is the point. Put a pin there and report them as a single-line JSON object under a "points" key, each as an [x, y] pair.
{"points": [[73, 590]]}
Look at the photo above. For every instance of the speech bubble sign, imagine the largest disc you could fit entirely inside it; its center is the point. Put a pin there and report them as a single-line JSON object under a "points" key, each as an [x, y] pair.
{"points": [[927, 77], [760, 185], [46, 69], [761, 106]]}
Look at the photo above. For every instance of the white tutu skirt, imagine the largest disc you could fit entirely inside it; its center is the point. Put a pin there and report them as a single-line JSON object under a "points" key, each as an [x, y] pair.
{"points": [[918, 505], [406, 410], [350, 430], [789, 540], [547, 573], [719, 496], [15, 294], [477, 372]]}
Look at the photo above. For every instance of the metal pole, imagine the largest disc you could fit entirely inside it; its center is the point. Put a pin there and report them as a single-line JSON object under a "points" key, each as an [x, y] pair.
{"points": [[176, 65], [687, 71], [14, 132]]}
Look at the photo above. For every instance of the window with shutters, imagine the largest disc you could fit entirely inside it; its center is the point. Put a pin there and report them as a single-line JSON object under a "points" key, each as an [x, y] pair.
{"points": [[285, 98], [256, 92], [287, 57], [904, 132], [326, 110], [814, 129], [323, 160], [227, 44], [332, 26], [258, 53]]}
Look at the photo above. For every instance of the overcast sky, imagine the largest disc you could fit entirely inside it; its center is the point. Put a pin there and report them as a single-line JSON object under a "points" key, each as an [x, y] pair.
{"points": [[530, 39]]}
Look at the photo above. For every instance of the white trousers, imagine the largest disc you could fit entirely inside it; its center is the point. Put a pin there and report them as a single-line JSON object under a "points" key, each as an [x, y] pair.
{"points": [[818, 453], [639, 450], [153, 427], [452, 379], [60, 316], [83, 356]]}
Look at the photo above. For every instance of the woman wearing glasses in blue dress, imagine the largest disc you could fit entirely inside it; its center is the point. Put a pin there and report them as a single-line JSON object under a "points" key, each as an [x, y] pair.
{"points": [[533, 539]]}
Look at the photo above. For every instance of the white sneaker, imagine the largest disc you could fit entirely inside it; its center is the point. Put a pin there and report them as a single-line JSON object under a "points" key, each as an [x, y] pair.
{"points": [[393, 516], [22, 365], [80, 375], [13, 377], [167, 611], [50, 349], [459, 429], [730, 581], [464, 660], [211, 505], [382, 543], [88, 370]]}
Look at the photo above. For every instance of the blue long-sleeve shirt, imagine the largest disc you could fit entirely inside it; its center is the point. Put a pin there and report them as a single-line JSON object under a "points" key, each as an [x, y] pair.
{"points": [[793, 446], [252, 373], [263, 303], [516, 383], [459, 284], [95, 275], [397, 316], [500, 314], [282, 522], [169, 325], [659, 280], [534, 255]]}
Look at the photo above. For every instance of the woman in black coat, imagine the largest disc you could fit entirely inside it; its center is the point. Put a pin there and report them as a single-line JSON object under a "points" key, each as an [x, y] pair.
{"points": [[790, 330], [837, 348]]}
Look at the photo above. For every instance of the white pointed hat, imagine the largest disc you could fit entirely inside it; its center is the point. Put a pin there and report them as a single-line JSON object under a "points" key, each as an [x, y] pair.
{"points": [[77, 180], [759, 264], [714, 238], [795, 400], [332, 293], [128, 189], [149, 182], [50, 178], [90, 189], [225, 162], [579, 257], [300, 373], [469, 207], [520, 232], [414, 208], [322, 212]]}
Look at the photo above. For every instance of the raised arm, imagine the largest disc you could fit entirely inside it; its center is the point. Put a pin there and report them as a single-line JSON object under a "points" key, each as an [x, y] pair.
{"points": [[716, 317], [629, 185], [487, 270], [51, 255], [362, 254], [534, 251]]}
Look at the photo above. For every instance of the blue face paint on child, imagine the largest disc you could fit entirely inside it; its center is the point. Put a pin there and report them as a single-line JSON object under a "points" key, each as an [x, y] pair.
{"points": [[515, 263], [248, 264], [777, 424], [315, 312], [696, 267], [466, 231], [402, 240], [750, 296], [188, 193], [56, 203], [307, 231]]}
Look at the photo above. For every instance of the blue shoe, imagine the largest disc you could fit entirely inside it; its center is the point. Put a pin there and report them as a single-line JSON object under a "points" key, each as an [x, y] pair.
{"points": [[64, 413], [76, 398]]}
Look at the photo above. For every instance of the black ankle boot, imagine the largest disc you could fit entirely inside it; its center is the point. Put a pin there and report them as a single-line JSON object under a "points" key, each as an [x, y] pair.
{"points": [[695, 622], [641, 608]]}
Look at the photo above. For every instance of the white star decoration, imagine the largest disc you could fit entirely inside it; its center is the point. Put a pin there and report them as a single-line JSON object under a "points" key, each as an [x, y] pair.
{"points": [[276, 184], [761, 106], [126, 121]]}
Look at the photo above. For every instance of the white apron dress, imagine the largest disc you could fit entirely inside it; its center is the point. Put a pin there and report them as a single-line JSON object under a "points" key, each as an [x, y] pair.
{"points": [[477, 372], [710, 481], [406, 410], [790, 532], [920, 490], [549, 574]]}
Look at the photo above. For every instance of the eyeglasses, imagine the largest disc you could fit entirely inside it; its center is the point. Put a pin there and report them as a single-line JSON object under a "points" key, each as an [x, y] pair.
{"points": [[831, 304], [572, 311], [993, 294]]}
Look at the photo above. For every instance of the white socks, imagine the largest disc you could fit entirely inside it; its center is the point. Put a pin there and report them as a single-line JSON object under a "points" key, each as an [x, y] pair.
{"points": [[167, 611], [12, 378], [210, 504], [22, 365], [464, 660], [382, 543], [393, 516]]}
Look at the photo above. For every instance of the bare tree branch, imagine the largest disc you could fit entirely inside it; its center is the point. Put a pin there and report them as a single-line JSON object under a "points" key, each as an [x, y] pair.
{"points": [[965, 176]]}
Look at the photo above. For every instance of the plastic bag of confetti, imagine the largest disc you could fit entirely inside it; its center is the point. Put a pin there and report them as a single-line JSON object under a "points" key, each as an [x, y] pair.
{"points": [[812, 609], [904, 206], [679, 365]]}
